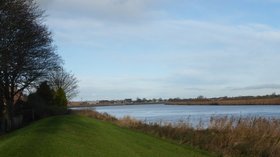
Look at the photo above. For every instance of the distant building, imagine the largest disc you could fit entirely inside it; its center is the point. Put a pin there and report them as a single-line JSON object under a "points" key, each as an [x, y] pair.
{"points": [[128, 101]]}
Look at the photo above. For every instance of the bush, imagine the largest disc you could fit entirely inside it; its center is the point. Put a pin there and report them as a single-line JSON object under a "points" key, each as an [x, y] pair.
{"points": [[46, 102], [60, 98], [39, 105]]}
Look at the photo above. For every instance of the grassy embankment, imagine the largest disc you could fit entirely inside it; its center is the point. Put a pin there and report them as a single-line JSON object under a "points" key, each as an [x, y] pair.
{"points": [[74, 136], [227, 137]]}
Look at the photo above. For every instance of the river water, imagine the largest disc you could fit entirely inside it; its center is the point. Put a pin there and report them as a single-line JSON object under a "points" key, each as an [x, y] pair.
{"points": [[193, 114]]}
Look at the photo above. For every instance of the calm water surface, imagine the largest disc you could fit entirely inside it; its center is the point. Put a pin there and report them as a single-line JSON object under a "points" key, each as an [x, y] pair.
{"points": [[193, 114]]}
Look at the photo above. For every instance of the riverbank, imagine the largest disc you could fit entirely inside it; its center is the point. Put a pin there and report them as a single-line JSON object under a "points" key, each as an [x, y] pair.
{"points": [[242, 100], [77, 136], [104, 105], [226, 136], [227, 101]]}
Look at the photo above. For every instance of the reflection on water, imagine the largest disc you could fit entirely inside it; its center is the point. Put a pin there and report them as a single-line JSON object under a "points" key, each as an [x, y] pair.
{"points": [[193, 114]]}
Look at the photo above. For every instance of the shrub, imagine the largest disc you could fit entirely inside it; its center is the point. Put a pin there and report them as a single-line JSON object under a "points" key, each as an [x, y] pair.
{"points": [[46, 102], [60, 98]]}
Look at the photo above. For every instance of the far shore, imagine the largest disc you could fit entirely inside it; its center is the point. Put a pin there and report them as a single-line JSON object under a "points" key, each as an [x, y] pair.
{"points": [[229, 101], [223, 101], [103, 105]]}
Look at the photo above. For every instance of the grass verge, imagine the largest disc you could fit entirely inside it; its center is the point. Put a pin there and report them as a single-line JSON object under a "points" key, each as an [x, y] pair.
{"points": [[77, 136]]}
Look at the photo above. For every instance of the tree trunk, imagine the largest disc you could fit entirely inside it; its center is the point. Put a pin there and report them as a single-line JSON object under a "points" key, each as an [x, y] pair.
{"points": [[9, 100], [2, 119], [10, 117]]}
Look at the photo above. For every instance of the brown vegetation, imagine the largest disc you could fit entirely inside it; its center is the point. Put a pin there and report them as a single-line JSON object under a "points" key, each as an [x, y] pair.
{"points": [[228, 137], [95, 114], [228, 101]]}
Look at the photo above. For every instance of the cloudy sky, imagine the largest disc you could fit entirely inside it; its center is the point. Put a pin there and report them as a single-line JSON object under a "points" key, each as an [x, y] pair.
{"points": [[168, 48]]}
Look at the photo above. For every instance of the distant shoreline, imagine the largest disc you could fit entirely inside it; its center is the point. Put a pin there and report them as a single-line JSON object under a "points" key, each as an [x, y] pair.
{"points": [[228, 101], [224, 101], [182, 104], [104, 105]]}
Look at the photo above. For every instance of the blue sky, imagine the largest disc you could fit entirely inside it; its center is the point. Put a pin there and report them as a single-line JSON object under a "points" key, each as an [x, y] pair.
{"points": [[162, 48]]}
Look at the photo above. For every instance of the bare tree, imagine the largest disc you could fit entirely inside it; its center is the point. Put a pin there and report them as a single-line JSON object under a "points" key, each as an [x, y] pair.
{"points": [[64, 80], [26, 51]]}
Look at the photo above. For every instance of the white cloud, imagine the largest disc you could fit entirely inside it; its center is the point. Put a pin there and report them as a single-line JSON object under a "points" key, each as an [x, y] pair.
{"points": [[196, 54], [173, 56], [184, 32], [258, 87], [107, 10]]}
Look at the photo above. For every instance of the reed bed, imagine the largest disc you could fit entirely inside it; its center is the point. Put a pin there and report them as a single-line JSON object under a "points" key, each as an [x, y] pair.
{"points": [[224, 136]]}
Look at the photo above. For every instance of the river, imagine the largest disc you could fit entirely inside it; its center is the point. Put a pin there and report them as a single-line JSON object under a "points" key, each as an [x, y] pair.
{"points": [[193, 114]]}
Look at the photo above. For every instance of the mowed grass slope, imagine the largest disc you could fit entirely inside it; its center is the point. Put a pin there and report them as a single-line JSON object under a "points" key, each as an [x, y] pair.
{"points": [[76, 136]]}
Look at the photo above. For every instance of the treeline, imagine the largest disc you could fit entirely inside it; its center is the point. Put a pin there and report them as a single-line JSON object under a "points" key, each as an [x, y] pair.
{"points": [[33, 83], [272, 99]]}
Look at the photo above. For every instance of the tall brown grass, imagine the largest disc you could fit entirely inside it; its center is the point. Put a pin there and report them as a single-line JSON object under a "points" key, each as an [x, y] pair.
{"points": [[94, 114], [226, 136]]}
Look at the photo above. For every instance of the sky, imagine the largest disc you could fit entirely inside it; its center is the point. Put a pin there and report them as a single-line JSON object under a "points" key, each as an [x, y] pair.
{"points": [[168, 48]]}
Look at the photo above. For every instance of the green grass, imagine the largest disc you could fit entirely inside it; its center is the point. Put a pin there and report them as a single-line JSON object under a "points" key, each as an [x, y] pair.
{"points": [[76, 136]]}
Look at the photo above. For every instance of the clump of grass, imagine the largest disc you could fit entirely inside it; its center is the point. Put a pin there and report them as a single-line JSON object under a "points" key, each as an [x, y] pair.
{"points": [[226, 136], [256, 137], [128, 121], [95, 114]]}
